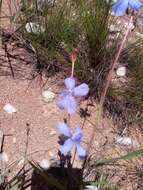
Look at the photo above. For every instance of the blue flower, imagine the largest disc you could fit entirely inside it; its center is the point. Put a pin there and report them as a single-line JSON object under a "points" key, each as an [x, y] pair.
{"points": [[68, 101], [72, 140], [121, 6]]}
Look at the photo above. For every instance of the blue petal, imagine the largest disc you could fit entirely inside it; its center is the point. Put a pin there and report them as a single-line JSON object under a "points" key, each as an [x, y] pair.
{"points": [[66, 147], [120, 7], [63, 129], [61, 103], [63, 93], [70, 104], [81, 151], [77, 136], [81, 90], [70, 83], [135, 4]]}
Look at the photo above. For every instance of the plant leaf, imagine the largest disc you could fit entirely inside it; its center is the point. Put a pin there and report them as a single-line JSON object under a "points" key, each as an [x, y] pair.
{"points": [[128, 156]]}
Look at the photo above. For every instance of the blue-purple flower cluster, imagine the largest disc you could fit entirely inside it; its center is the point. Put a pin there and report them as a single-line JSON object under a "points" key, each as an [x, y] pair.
{"points": [[121, 6], [68, 102]]}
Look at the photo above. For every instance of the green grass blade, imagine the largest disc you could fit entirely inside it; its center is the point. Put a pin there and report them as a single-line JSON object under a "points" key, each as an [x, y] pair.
{"points": [[128, 156]]}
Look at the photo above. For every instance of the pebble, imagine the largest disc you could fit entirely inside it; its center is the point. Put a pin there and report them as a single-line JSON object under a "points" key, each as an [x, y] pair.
{"points": [[48, 95], [124, 140], [52, 133], [45, 164], [121, 71], [9, 108], [91, 187], [32, 27]]}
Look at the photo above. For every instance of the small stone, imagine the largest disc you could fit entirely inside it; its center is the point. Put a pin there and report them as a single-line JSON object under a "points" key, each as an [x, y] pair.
{"points": [[48, 95], [124, 140], [45, 164], [91, 187], [3, 157], [35, 28], [52, 133], [121, 71], [9, 108]]}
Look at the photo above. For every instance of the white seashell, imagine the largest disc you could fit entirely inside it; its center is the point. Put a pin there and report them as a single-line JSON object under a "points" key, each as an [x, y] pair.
{"points": [[48, 95], [45, 164], [124, 140], [3, 157], [90, 187], [121, 71], [9, 108], [34, 27]]}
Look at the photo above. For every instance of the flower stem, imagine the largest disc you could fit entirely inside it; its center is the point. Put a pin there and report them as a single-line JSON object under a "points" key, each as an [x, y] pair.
{"points": [[114, 64], [72, 72], [109, 77]]}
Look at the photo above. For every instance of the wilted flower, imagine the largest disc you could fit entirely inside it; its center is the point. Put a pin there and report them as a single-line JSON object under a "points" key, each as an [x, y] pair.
{"points": [[72, 140], [121, 6], [67, 96], [73, 56]]}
